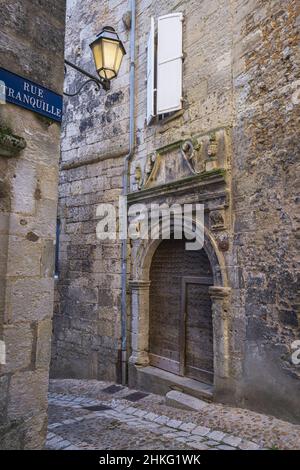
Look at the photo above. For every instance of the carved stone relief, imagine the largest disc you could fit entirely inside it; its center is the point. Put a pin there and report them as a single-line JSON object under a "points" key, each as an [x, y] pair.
{"points": [[223, 241], [217, 220], [194, 156]]}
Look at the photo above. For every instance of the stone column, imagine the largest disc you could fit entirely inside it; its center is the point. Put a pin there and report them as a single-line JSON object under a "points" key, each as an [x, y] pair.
{"points": [[220, 313], [139, 322]]}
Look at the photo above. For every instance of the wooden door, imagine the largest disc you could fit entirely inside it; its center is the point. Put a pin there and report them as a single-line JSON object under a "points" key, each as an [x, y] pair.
{"points": [[180, 311]]}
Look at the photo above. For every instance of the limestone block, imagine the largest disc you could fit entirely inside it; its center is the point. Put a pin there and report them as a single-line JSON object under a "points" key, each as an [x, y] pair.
{"points": [[47, 180], [46, 212], [48, 258], [30, 299], [183, 401], [23, 257], [43, 344], [19, 343], [36, 431], [28, 388], [23, 186]]}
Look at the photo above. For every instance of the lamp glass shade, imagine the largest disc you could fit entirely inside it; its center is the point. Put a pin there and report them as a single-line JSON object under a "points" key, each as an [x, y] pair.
{"points": [[108, 52]]}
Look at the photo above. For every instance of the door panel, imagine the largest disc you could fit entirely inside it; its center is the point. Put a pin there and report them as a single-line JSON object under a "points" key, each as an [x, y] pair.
{"points": [[198, 333]]}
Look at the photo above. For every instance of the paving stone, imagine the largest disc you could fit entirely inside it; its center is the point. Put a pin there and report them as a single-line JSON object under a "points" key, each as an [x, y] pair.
{"points": [[141, 413], [176, 434], [147, 424], [123, 407], [68, 421], [199, 446], [124, 411], [79, 400], [93, 403], [196, 438], [232, 441], [188, 427], [113, 413], [224, 447], [162, 420], [54, 425], [55, 441], [182, 439], [201, 431], [151, 416], [151, 425], [130, 410], [169, 435], [212, 443], [90, 416], [248, 445], [174, 423], [182, 434], [63, 444], [216, 435], [165, 430]]}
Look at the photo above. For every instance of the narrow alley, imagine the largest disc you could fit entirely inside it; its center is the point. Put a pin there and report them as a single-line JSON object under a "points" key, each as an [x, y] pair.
{"points": [[93, 415]]}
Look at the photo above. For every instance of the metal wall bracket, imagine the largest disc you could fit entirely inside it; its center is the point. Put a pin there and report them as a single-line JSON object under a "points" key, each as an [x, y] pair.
{"points": [[100, 82]]}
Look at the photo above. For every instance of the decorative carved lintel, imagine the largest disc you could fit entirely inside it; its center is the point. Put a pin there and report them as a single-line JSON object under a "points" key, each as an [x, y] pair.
{"points": [[193, 156]]}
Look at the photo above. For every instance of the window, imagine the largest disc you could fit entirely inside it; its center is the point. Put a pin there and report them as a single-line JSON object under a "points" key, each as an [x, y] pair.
{"points": [[164, 66]]}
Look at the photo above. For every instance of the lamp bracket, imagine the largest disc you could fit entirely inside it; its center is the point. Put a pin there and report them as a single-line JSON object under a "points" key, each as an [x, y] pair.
{"points": [[100, 82]]}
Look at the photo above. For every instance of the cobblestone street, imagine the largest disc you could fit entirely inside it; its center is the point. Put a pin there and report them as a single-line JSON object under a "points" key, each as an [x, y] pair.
{"points": [[102, 416]]}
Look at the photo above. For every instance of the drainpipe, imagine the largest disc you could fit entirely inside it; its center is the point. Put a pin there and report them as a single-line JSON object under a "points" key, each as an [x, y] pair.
{"points": [[125, 185]]}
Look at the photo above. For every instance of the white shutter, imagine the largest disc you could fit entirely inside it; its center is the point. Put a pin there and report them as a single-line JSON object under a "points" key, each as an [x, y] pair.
{"points": [[151, 73], [169, 63]]}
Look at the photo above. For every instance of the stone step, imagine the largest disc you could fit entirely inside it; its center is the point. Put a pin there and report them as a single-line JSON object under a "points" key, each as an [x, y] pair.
{"points": [[184, 402], [152, 379]]}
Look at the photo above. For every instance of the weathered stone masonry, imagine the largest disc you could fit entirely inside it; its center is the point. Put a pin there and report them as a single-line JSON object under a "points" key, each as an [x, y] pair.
{"points": [[266, 158], [241, 107], [94, 143], [31, 45]]}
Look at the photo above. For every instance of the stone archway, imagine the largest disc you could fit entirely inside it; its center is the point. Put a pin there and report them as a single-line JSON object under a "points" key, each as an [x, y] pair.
{"points": [[142, 254]]}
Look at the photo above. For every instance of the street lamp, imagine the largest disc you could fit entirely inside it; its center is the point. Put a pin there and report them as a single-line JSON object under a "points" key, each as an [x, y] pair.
{"points": [[108, 52]]}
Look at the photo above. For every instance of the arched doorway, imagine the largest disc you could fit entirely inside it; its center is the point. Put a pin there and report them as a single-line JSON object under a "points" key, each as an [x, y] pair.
{"points": [[180, 313]]}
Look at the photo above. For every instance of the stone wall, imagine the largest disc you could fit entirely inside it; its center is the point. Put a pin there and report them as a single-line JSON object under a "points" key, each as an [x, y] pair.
{"points": [[239, 86], [31, 45], [94, 143], [266, 149]]}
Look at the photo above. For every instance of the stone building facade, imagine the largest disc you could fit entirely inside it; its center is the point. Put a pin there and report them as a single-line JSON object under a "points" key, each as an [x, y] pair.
{"points": [[233, 147], [32, 46]]}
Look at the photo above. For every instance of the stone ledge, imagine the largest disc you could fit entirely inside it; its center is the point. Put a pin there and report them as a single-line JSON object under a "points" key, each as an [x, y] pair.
{"points": [[184, 401], [10, 145], [214, 178], [91, 159]]}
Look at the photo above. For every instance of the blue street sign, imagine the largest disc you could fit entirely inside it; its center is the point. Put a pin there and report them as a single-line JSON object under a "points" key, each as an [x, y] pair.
{"points": [[29, 95]]}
